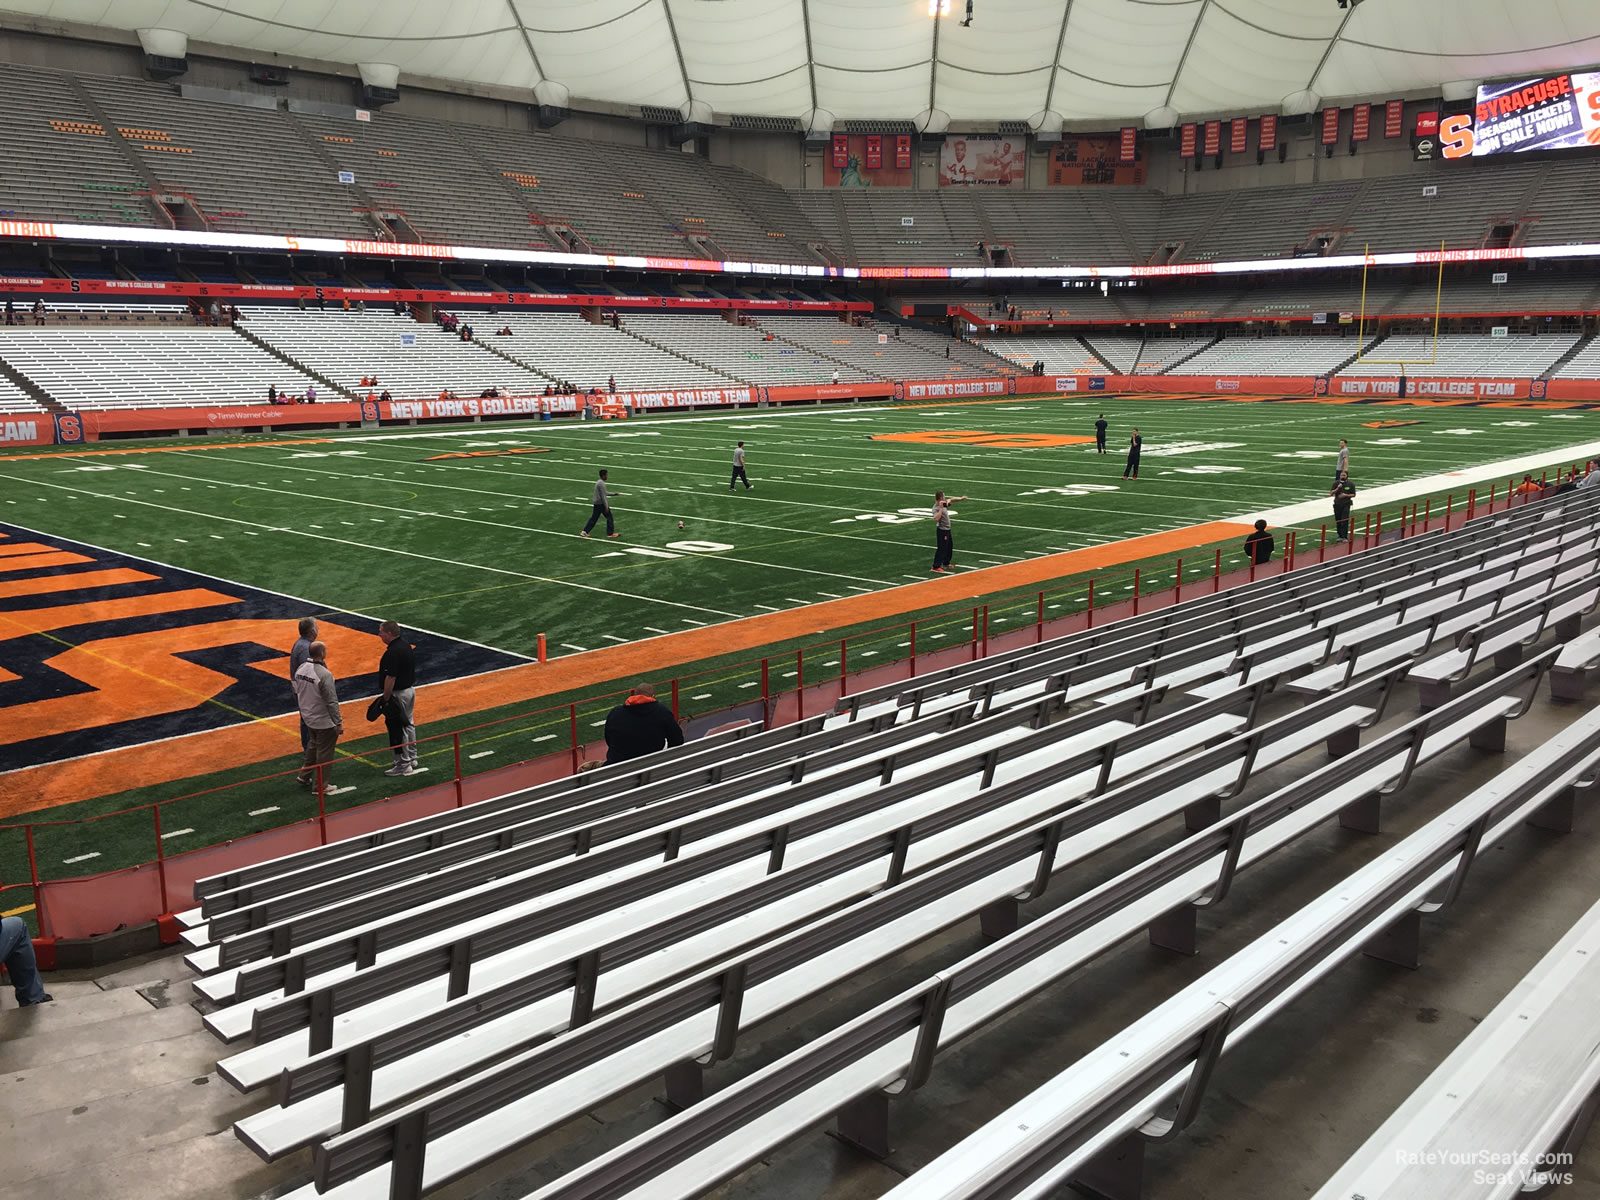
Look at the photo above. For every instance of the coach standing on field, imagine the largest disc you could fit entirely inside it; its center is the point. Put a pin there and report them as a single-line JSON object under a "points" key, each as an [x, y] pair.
{"points": [[602, 507], [944, 543], [297, 657], [1135, 448], [318, 701], [1100, 435], [398, 671], [1344, 493], [738, 469]]}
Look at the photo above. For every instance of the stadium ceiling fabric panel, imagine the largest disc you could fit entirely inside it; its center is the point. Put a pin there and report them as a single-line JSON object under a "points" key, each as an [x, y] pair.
{"points": [[1110, 61]]}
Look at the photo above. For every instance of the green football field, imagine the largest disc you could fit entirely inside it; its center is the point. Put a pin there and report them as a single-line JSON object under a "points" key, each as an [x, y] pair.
{"points": [[488, 549], [470, 535]]}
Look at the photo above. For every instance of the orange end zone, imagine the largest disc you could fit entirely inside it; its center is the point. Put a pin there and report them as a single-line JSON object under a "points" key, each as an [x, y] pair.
{"points": [[52, 784]]}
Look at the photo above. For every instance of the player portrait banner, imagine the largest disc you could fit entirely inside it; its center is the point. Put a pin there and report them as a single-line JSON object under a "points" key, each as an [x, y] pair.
{"points": [[965, 160], [840, 157], [1267, 132], [1095, 161], [1213, 138], [1360, 122], [1186, 141], [1394, 118], [902, 152], [1330, 126], [1127, 144], [864, 164], [1238, 135]]}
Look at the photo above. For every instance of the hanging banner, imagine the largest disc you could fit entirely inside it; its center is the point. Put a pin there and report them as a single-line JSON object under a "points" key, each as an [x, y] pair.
{"points": [[1128, 144], [863, 166], [902, 152], [1186, 140], [1238, 135], [1094, 160], [1213, 138], [1394, 118], [1267, 132], [1330, 126], [841, 152], [972, 159], [1360, 122]]}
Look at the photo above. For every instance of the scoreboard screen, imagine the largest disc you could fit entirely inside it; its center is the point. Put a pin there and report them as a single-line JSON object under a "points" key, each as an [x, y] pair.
{"points": [[1555, 112]]}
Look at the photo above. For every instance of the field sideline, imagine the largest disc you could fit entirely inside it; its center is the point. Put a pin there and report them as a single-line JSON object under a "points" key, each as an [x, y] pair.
{"points": [[470, 536]]}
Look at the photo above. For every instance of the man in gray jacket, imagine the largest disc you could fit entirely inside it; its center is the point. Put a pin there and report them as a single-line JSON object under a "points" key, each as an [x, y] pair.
{"points": [[602, 508], [298, 655], [318, 699]]}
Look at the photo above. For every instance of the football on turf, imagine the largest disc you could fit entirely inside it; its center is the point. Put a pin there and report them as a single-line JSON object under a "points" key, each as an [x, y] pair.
{"points": [[680, 524]]}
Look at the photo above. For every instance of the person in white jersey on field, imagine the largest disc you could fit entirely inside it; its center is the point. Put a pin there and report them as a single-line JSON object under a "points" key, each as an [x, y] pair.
{"points": [[738, 469]]}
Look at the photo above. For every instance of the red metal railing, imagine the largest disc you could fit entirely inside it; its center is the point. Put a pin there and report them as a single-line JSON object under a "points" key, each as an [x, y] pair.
{"points": [[1081, 605]]}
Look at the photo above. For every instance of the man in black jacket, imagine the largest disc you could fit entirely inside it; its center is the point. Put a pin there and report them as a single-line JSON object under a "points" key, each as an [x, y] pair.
{"points": [[640, 725], [1344, 494]]}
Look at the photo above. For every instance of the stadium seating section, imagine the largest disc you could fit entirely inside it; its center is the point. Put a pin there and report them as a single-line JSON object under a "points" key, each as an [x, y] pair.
{"points": [[131, 152], [413, 1004]]}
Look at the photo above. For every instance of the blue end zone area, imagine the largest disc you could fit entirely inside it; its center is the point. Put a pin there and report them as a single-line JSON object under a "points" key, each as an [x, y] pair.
{"points": [[101, 650]]}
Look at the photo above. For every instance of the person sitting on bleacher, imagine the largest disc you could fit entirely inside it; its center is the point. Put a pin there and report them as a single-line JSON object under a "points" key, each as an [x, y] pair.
{"points": [[16, 952], [1528, 487], [640, 725], [383, 397], [38, 312]]}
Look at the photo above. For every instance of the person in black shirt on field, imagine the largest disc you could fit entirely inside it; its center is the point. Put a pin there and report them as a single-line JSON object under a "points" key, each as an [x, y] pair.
{"points": [[640, 725], [397, 670], [1135, 448], [1344, 493], [1258, 546], [1100, 435]]}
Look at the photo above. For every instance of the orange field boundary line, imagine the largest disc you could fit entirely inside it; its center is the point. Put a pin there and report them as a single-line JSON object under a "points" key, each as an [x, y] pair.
{"points": [[50, 784]]}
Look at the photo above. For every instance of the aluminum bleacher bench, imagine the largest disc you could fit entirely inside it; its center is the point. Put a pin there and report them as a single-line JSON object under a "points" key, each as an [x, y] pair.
{"points": [[856, 1068], [431, 843], [750, 835], [1507, 1110], [1480, 600], [667, 1027], [220, 893], [1505, 636], [1573, 666], [1090, 1122]]}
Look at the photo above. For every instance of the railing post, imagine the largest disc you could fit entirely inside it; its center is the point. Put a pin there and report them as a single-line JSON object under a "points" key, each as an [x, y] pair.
{"points": [[800, 684], [1216, 572], [161, 858], [841, 667], [985, 629], [674, 698], [1323, 544], [1177, 584], [1136, 586], [1472, 502], [1449, 509], [1091, 603], [455, 746], [572, 733], [974, 632], [33, 879], [766, 698], [1039, 621], [1288, 553], [1492, 488], [322, 807], [913, 649]]}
